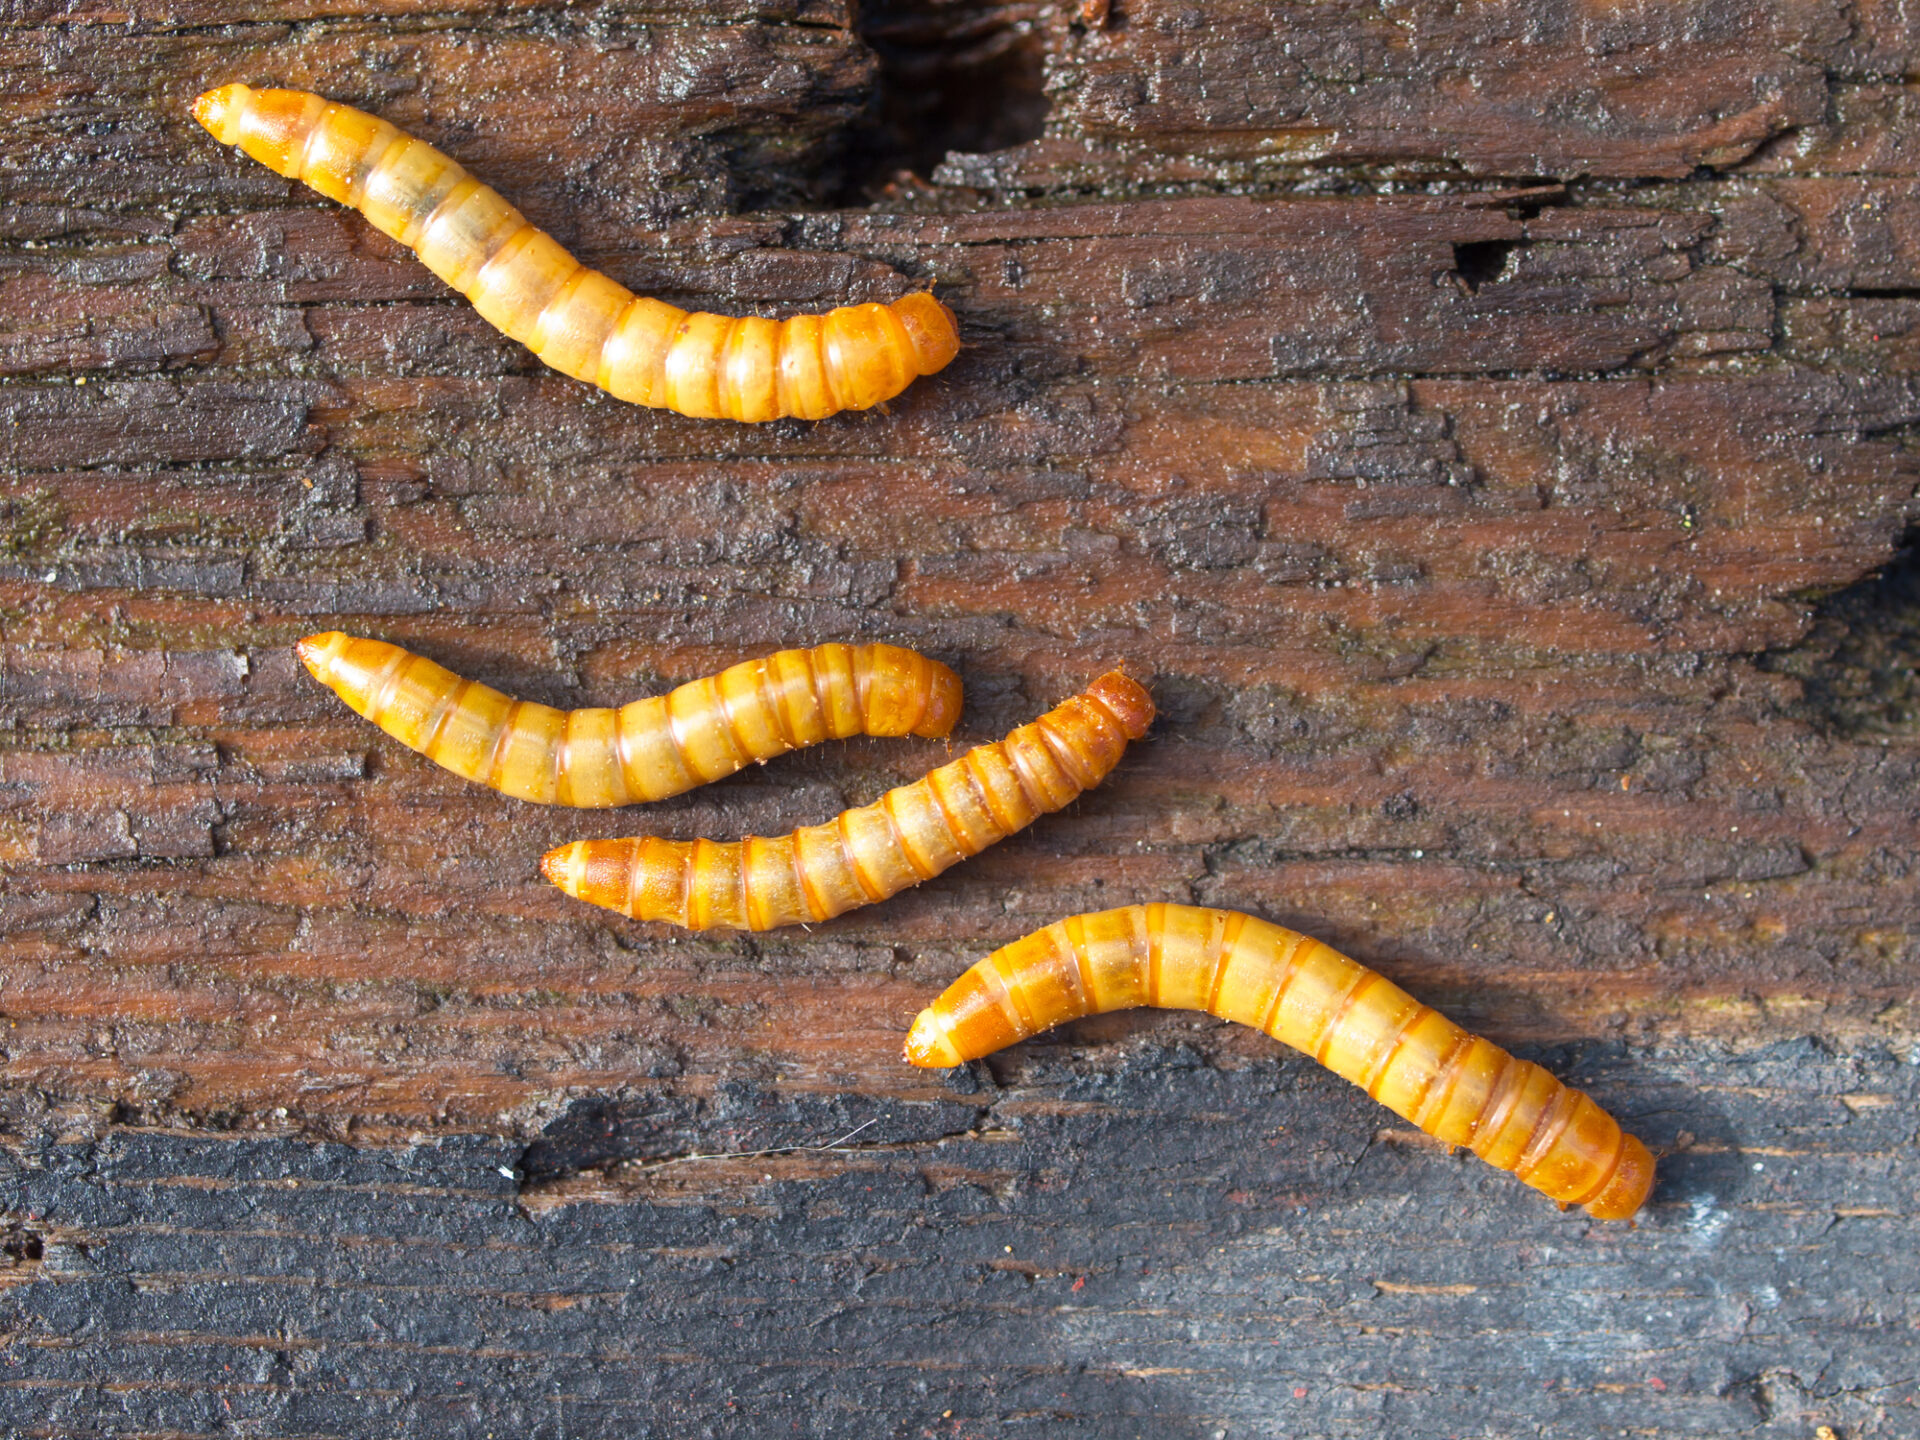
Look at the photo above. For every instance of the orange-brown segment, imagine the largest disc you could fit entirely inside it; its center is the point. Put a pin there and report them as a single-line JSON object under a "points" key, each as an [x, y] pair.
{"points": [[1363, 1027], [906, 836], [577, 320], [594, 758]]}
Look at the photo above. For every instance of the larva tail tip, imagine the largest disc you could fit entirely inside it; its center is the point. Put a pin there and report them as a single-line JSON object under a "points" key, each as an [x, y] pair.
{"points": [[928, 1045], [220, 111], [1627, 1191], [1127, 698], [316, 652], [556, 866]]}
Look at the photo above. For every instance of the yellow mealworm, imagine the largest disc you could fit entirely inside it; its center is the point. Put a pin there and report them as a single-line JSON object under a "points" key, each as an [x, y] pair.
{"points": [[1363, 1027], [908, 835], [650, 749], [575, 319]]}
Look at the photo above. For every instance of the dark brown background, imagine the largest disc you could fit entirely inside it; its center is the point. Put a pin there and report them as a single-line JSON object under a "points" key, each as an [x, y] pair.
{"points": [[1491, 426]]}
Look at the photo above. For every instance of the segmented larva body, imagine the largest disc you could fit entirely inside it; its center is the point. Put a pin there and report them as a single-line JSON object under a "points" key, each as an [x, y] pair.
{"points": [[575, 319], [594, 758], [1415, 1061], [908, 835]]}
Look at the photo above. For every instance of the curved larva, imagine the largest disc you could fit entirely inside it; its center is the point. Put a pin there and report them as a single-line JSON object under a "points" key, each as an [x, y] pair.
{"points": [[908, 835], [648, 750], [1456, 1086], [575, 319]]}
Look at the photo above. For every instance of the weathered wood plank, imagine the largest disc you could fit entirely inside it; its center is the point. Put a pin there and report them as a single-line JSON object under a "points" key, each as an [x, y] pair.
{"points": [[1506, 89], [1455, 665], [1474, 529], [1243, 93], [938, 1274], [654, 104]]}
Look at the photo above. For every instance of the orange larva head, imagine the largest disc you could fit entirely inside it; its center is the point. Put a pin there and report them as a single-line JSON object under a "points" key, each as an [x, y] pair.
{"points": [[943, 703], [221, 111], [932, 332], [1627, 1191], [1127, 700]]}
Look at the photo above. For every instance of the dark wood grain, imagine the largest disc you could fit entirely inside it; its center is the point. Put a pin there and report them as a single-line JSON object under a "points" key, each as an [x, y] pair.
{"points": [[1174, 93], [1487, 427], [967, 1264]]}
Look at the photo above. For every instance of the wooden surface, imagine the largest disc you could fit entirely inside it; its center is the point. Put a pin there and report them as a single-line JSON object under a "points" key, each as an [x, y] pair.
{"points": [[1486, 426]]}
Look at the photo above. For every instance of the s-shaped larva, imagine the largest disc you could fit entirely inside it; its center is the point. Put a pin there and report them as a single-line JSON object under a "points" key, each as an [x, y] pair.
{"points": [[594, 758], [1360, 1025], [575, 319], [908, 835]]}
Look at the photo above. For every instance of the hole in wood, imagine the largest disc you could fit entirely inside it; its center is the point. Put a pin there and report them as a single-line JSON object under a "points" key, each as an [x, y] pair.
{"points": [[1479, 262], [1860, 661], [955, 75], [20, 1246]]}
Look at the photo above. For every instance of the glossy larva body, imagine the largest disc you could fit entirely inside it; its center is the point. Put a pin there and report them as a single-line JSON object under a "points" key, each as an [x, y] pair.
{"points": [[575, 319], [1363, 1027], [908, 835], [597, 757]]}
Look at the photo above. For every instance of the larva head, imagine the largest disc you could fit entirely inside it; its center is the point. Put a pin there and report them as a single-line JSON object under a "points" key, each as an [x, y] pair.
{"points": [[222, 111], [928, 1045], [1627, 1191], [1126, 699], [908, 694], [943, 703], [319, 653], [932, 334]]}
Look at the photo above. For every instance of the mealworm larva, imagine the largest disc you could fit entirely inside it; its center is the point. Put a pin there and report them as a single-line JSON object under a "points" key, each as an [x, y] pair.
{"points": [[1363, 1027], [575, 319], [908, 835], [648, 750]]}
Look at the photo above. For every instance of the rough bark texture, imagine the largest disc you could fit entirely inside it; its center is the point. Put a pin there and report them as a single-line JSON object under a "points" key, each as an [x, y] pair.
{"points": [[1492, 429]]}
